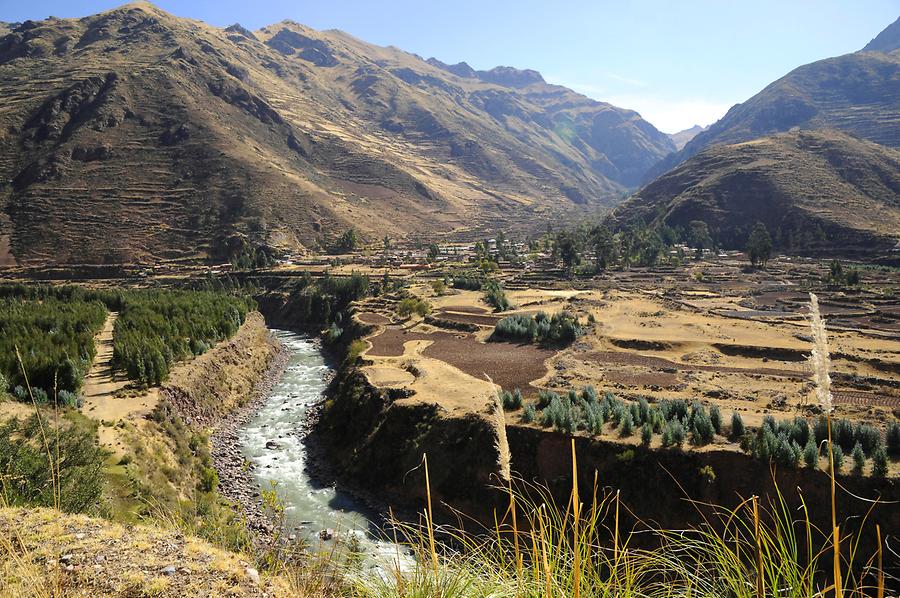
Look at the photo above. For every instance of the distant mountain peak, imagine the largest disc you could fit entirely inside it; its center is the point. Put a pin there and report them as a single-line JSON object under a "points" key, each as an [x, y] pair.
{"points": [[460, 69], [511, 77], [681, 138], [886, 41], [506, 76]]}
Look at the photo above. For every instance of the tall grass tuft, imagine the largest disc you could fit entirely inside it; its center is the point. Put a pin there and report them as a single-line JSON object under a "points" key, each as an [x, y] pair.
{"points": [[820, 363], [501, 443]]}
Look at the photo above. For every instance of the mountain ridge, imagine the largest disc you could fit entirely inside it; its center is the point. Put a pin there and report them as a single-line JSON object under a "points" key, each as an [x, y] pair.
{"points": [[821, 190], [285, 136]]}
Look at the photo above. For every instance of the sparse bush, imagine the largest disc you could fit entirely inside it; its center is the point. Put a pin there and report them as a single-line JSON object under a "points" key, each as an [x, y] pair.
{"points": [[676, 429], [68, 399], [40, 396], [209, 479], [333, 333]]}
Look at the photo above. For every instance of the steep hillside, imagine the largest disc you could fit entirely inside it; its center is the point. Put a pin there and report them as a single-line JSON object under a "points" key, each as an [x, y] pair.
{"points": [[135, 135], [886, 41], [858, 93], [814, 190]]}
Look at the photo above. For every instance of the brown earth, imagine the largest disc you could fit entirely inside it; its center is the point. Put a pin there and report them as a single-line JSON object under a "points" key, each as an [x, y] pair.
{"points": [[48, 553]]}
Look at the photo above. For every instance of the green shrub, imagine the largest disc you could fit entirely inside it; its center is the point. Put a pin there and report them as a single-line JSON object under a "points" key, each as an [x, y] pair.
{"points": [[69, 399], [715, 417], [646, 434], [413, 305], [4, 385], [879, 462], [893, 439], [811, 453], [209, 479], [530, 413], [495, 297], [838, 456], [627, 427], [702, 430], [737, 426], [511, 400], [30, 477], [859, 458], [676, 430]]}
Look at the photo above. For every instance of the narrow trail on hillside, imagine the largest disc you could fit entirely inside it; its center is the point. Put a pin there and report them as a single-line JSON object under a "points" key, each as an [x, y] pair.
{"points": [[102, 400]]}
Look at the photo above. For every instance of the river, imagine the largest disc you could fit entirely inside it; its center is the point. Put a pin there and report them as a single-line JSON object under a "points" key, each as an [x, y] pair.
{"points": [[310, 507]]}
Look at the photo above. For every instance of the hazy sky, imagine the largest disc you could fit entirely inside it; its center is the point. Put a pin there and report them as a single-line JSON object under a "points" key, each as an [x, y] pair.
{"points": [[677, 63]]}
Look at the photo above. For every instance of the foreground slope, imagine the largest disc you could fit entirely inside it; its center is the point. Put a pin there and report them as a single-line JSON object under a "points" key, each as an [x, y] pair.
{"points": [[135, 135], [814, 190], [53, 554], [858, 93]]}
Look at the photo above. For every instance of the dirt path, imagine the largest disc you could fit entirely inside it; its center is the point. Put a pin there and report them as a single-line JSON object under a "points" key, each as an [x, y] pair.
{"points": [[101, 386]]}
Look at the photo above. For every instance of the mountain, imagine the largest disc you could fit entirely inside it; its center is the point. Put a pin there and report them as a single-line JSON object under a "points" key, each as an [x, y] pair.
{"points": [[814, 191], [681, 138], [858, 93], [134, 135], [886, 41]]}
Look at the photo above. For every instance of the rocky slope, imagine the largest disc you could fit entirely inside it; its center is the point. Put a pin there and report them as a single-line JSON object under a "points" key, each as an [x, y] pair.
{"points": [[858, 93], [74, 555], [814, 190], [134, 135]]}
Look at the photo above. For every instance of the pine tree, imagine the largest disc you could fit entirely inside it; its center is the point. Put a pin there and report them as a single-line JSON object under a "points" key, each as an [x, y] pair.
{"points": [[737, 425], [859, 458]]}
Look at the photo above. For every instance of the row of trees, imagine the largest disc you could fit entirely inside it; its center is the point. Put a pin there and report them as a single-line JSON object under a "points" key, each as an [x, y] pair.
{"points": [[791, 443], [561, 327], [646, 246]]}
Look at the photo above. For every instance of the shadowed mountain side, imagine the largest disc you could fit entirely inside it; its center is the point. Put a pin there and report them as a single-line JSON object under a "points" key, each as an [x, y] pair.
{"points": [[814, 191], [135, 135]]}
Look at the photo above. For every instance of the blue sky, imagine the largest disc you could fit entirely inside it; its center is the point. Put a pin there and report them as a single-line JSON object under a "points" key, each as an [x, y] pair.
{"points": [[677, 63]]}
